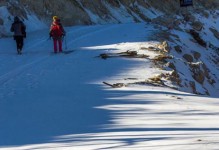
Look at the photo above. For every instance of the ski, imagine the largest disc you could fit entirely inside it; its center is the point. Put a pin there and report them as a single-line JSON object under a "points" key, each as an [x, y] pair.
{"points": [[63, 52], [68, 51]]}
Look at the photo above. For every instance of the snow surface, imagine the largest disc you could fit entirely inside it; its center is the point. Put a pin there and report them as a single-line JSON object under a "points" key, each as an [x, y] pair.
{"points": [[58, 102]]}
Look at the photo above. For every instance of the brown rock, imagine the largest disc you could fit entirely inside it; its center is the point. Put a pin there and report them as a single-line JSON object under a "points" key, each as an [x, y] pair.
{"points": [[206, 71], [197, 25], [199, 76], [192, 85], [196, 55], [197, 37], [188, 57], [164, 21], [164, 46], [215, 32], [162, 58], [171, 65], [211, 81], [197, 73], [178, 49], [174, 77], [156, 80], [205, 14]]}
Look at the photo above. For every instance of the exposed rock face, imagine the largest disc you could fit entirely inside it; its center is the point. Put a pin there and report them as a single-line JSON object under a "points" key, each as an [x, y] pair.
{"points": [[171, 65], [86, 12], [83, 11], [196, 55], [197, 37], [200, 73], [192, 85], [178, 49], [197, 73], [167, 21], [188, 57], [162, 58], [74, 12], [174, 77], [197, 25], [215, 32], [164, 47]]}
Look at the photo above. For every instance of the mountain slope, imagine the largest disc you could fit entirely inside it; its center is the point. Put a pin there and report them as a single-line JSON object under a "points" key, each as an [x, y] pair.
{"points": [[50, 101], [78, 12]]}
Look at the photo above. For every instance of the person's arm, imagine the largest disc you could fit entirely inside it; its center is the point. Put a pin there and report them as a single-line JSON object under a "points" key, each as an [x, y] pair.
{"points": [[50, 31], [12, 28], [24, 27], [23, 30]]}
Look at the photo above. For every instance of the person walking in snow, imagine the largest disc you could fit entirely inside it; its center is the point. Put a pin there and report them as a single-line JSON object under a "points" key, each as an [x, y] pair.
{"points": [[18, 27], [57, 33]]}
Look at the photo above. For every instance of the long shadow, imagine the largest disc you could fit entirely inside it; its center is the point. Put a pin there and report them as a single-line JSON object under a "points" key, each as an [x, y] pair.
{"points": [[112, 97], [38, 116], [37, 120]]}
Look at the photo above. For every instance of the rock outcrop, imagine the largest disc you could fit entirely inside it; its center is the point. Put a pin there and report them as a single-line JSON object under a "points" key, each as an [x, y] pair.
{"points": [[108, 11]]}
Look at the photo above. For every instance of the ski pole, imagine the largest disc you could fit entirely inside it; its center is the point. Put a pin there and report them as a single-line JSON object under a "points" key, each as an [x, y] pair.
{"points": [[65, 43], [49, 38]]}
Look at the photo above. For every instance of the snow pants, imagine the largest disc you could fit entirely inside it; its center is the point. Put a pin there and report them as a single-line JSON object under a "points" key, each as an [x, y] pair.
{"points": [[57, 44], [20, 42]]}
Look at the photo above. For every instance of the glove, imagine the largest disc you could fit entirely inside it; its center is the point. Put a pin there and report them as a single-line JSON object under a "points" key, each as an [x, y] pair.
{"points": [[63, 33]]}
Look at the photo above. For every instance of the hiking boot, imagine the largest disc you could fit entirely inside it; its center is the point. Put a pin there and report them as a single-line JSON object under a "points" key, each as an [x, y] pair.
{"points": [[19, 51]]}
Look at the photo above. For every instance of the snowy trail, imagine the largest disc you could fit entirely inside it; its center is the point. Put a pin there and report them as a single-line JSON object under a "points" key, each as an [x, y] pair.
{"points": [[45, 80], [58, 102], [36, 46]]}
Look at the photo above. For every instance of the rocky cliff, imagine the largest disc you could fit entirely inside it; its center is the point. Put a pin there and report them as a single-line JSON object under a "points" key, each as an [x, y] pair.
{"points": [[100, 11], [86, 12]]}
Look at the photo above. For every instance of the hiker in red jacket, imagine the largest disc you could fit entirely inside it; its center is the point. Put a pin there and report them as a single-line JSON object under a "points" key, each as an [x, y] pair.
{"points": [[57, 32]]}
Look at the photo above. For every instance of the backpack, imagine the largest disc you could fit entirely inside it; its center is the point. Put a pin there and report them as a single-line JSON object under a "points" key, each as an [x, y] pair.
{"points": [[19, 29], [56, 30]]}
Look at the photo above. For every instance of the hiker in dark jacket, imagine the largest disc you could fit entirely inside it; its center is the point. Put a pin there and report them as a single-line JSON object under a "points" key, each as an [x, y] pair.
{"points": [[18, 28], [57, 33]]}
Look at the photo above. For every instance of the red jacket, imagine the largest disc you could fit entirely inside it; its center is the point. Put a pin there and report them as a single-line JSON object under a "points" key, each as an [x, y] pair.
{"points": [[56, 30]]}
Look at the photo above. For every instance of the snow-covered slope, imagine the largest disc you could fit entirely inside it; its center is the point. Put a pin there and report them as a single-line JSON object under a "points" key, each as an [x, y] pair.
{"points": [[80, 12], [50, 101], [193, 46], [60, 102]]}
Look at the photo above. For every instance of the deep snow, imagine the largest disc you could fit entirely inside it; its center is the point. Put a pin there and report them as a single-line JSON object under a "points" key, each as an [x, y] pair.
{"points": [[50, 101]]}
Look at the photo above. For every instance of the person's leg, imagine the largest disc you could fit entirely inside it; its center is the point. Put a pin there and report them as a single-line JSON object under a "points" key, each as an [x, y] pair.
{"points": [[19, 41], [17, 44], [55, 45]]}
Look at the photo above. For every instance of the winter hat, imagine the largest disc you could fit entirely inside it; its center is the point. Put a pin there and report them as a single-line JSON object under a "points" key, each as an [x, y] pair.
{"points": [[55, 18], [16, 19]]}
